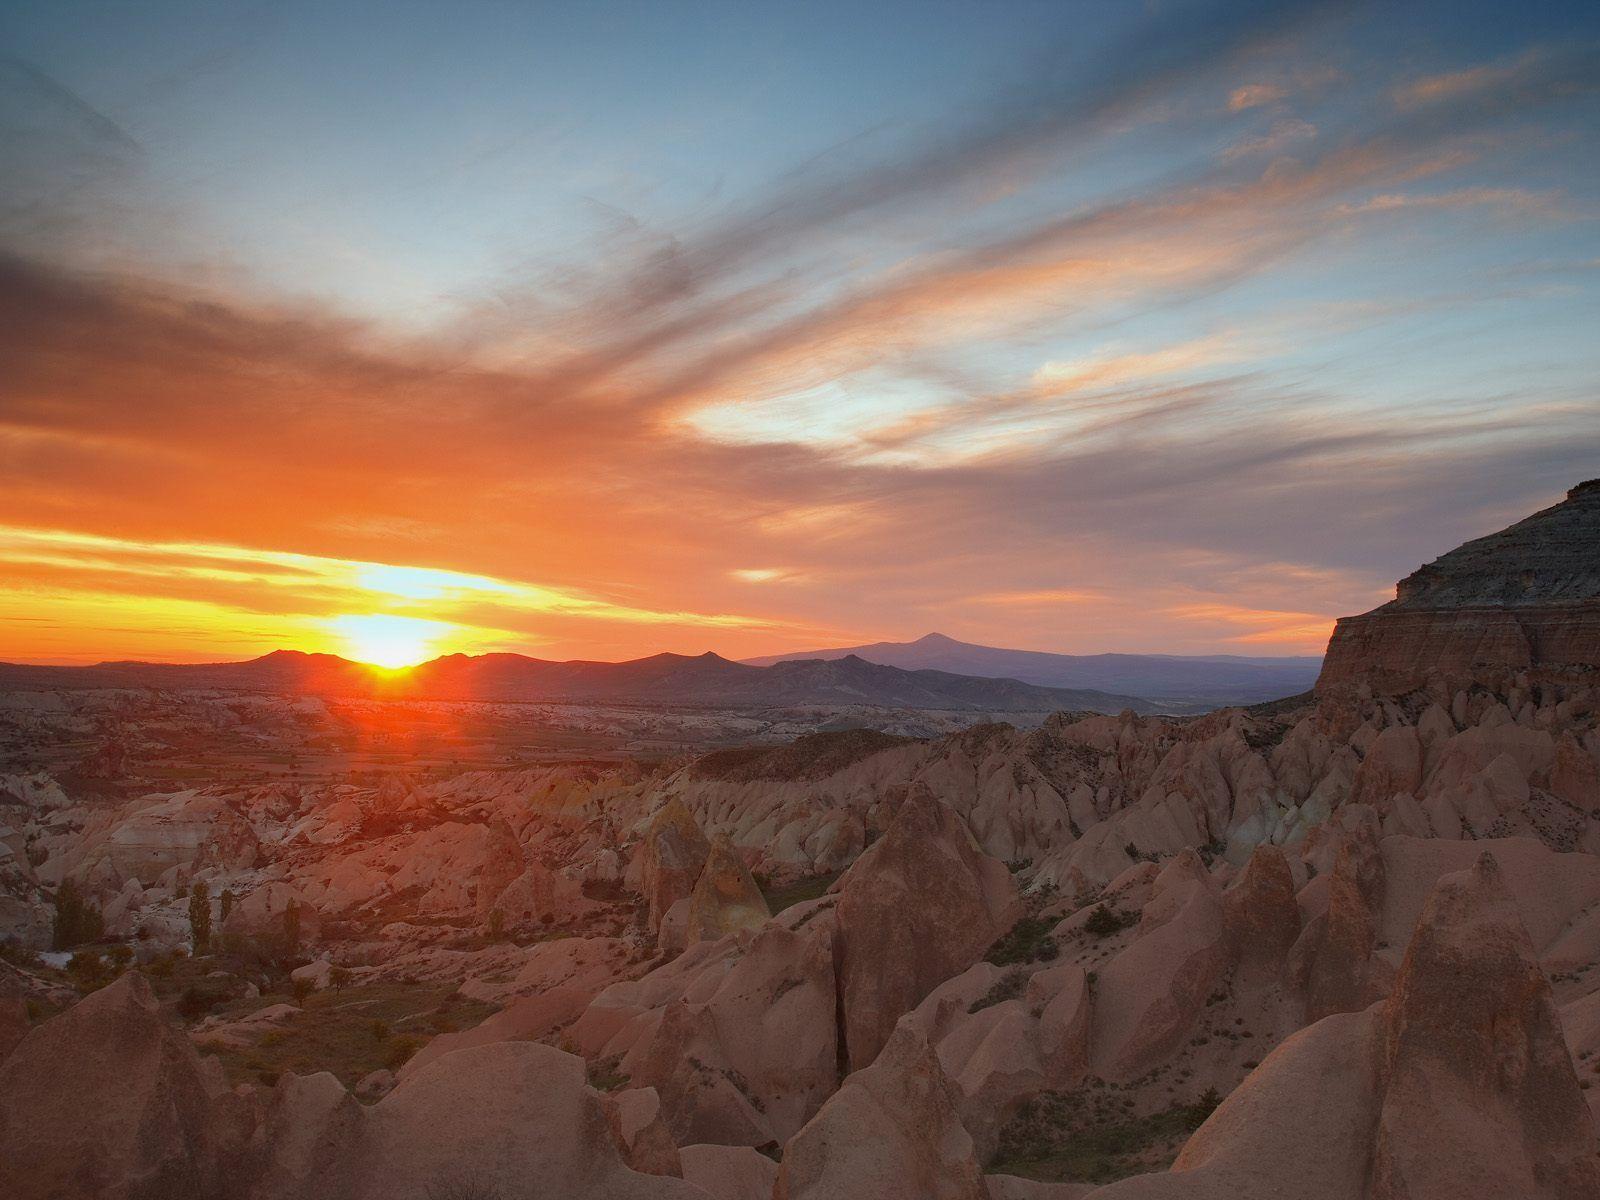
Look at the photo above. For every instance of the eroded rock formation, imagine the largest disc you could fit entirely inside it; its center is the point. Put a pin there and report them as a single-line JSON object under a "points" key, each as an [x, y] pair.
{"points": [[1526, 596]]}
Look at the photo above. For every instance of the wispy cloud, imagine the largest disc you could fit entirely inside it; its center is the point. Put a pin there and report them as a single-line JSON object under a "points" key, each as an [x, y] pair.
{"points": [[995, 352]]}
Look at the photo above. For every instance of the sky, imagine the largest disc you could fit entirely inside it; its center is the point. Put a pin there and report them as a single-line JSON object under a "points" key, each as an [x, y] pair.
{"points": [[396, 329]]}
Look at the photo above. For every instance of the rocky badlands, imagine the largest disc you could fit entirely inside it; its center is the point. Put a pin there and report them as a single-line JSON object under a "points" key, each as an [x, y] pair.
{"points": [[1341, 945]]}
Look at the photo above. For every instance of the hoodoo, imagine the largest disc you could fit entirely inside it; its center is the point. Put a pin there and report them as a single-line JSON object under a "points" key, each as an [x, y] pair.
{"points": [[1526, 596]]}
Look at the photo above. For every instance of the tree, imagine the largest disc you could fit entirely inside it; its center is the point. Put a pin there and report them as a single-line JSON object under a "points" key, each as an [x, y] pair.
{"points": [[291, 927], [76, 920], [200, 917], [227, 903]]}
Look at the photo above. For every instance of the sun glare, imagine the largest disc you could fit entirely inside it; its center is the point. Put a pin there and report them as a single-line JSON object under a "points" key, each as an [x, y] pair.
{"points": [[389, 641]]}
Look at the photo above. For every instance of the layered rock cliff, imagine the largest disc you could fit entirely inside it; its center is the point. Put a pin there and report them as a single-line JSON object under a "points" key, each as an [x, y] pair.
{"points": [[1526, 596]]}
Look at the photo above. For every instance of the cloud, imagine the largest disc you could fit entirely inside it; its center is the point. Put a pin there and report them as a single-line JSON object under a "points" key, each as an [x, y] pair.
{"points": [[320, 603], [1511, 200], [1281, 136], [597, 468], [1254, 95]]}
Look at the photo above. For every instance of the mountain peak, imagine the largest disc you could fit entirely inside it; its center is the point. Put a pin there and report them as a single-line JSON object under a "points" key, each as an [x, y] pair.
{"points": [[935, 639]]}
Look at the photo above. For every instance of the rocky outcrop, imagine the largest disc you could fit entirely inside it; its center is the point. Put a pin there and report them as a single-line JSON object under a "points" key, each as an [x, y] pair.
{"points": [[1149, 995], [748, 1049], [109, 1102], [892, 1132], [729, 1172], [1459, 1084], [670, 858], [504, 1120], [725, 897], [1478, 1091], [1526, 596], [921, 905]]}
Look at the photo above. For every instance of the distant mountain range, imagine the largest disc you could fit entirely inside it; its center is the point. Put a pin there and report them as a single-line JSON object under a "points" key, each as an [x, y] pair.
{"points": [[1212, 681], [707, 680]]}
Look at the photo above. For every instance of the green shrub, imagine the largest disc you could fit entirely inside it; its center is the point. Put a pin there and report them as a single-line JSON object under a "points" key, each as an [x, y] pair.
{"points": [[200, 918], [76, 920], [18, 955], [1027, 941], [196, 1002], [1008, 987], [1103, 921], [401, 1049], [89, 971]]}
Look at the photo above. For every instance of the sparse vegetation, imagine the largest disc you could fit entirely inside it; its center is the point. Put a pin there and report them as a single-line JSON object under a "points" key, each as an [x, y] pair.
{"points": [[813, 887], [813, 756], [18, 955], [1092, 1136], [1027, 941], [90, 971], [200, 918], [605, 1075], [1008, 987], [401, 1049], [1105, 921], [350, 1033], [469, 1186], [197, 1002], [76, 920]]}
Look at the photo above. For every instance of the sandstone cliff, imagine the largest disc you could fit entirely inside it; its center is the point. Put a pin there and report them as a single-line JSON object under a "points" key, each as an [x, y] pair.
{"points": [[1526, 596]]}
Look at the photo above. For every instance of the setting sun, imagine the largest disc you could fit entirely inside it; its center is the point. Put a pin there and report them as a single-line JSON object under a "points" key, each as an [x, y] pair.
{"points": [[389, 641]]}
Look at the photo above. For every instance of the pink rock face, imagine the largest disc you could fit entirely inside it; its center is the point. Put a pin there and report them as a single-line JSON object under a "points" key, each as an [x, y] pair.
{"points": [[725, 897], [14, 1024], [892, 1132], [641, 1134], [1332, 959], [672, 855], [108, 1102], [921, 905], [729, 1172], [1458, 1085], [749, 1051], [513, 1119], [1260, 912], [1523, 596], [1479, 1094], [1148, 996], [261, 913]]}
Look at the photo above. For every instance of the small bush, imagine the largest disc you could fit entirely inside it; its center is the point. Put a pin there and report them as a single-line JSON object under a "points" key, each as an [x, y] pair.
{"points": [[89, 971], [1029, 939], [1103, 922], [200, 918], [401, 1049], [1008, 987], [18, 955], [76, 920], [197, 1002]]}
